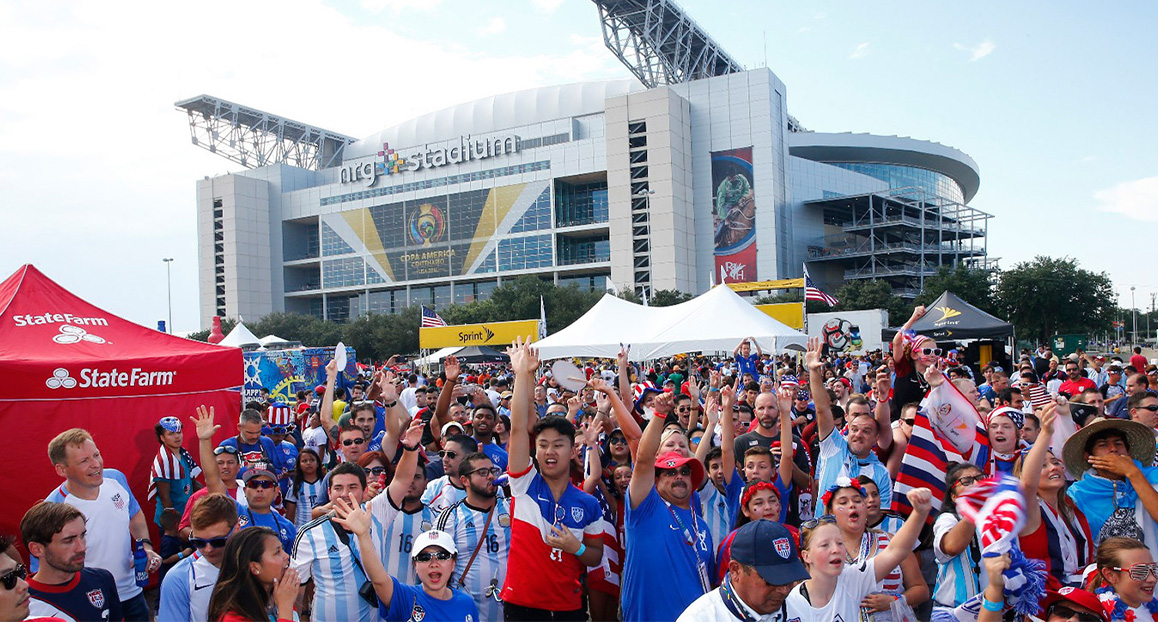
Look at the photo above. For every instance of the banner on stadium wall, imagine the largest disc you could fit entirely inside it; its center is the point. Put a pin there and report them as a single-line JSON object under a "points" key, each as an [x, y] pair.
{"points": [[790, 314], [493, 334], [734, 215], [285, 372], [851, 332]]}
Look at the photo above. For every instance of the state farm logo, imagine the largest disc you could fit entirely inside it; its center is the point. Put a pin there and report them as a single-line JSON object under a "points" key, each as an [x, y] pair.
{"points": [[73, 334], [93, 377]]}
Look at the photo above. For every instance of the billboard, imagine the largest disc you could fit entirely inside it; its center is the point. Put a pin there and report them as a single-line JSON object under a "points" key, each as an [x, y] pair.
{"points": [[734, 215], [493, 334], [853, 332], [285, 372]]}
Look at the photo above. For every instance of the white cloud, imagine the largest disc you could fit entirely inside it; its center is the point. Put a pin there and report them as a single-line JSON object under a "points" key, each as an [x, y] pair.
{"points": [[860, 51], [1136, 199], [496, 26], [547, 6], [979, 51], [397, 6]]}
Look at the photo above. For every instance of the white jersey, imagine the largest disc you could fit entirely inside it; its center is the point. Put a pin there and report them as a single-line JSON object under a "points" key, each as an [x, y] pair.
{"points": [[488, 573], [440, 494], [110, 544], [397, 540], [853, 584], [186, 590], [307, 497], [318, 440], [335, 565]]}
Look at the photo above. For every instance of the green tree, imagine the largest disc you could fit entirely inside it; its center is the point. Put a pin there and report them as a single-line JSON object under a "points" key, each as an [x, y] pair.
{"points": [[871, 294], [668, 297], [1048, 296], [309, 330], [972, 285]]}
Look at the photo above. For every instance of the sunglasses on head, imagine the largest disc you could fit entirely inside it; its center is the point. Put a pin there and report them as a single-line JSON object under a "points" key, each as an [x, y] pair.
{"points": [[200, 543], [816, 522], [263, 484], [353, 441], [931, 351], [684, 471], [1066, 613], [225, 449], [1139, 572], [425, 557], [8, 579]]}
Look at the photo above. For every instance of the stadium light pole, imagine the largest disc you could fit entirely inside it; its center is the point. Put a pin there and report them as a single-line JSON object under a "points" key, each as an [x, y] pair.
{"points": [[169, 289]]}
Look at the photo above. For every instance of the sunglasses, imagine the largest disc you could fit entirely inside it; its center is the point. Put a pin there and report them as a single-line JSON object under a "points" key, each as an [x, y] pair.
{"points": [[1152, 408], [684, 409], [816, 522], [909, 421], [8, 580], [484, 471], [225, 449], [447, 454], [376, 470], [426, 557], [618, 440], [684, 471], [1066, 613], [968, 480], [1139, 572], [200, 543], [931, 351], [353, 441], [263, 484]]}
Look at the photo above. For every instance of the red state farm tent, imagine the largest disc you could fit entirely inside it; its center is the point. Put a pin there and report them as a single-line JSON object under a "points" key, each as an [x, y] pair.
{"points": [[65, 363]]}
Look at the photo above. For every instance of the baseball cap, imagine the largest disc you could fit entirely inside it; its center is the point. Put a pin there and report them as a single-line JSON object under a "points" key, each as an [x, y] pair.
{"points": [[770, 549], [452, 424], [675, 460], [434, 537], [257, 469], [505, 394], [1072, 595]]}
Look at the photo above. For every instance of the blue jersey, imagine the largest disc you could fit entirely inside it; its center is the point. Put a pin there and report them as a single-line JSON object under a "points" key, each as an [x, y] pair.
{"points": [[261, 451], [329, 555], [720, 508], [497, 454], [669, 559], [289, 456], [281, 526], [400, 528], [90, 595], [411, 602]]}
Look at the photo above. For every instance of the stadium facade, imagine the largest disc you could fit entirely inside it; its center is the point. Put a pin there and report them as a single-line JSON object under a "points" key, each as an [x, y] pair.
{"points": [[673, 187]]}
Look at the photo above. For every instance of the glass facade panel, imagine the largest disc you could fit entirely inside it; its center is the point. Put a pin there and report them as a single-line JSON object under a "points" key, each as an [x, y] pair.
{"points": [[530, 167], [346, 272], [898, 176], [338, 308], [582, 204], [441, 296], [332, 243], [586, 282], [420, 296], [488, 264], [525, 253], [537, 216], [583, 250], [483, 289]]}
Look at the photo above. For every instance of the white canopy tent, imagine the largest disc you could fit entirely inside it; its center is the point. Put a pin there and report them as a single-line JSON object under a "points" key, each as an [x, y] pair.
{"points": [[241, 337], [434, 358], [715, 321]]}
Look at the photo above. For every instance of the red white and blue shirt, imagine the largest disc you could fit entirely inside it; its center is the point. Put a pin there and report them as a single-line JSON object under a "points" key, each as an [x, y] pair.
{"points": [[538, 575], [90, 595]]}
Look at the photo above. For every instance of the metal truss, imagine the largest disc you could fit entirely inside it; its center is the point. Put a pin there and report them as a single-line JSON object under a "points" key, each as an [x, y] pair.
{"points": [[660, 44], [253, 138]]}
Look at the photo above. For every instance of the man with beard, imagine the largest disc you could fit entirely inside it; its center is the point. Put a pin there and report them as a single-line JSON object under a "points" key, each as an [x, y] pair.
{"points": [[400, 513], [481, 526], [767, 431], [848, 455], [63, 587], [187, 587], [483, 425], [447, 490]]}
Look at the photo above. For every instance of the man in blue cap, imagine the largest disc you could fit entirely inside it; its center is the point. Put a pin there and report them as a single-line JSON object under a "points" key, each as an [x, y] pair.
{"points": [[764, 568]]}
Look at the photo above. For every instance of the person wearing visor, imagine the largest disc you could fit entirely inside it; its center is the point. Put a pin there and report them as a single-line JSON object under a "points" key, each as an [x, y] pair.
{"points": [[764, 567], [172, 479], [434, 554]]}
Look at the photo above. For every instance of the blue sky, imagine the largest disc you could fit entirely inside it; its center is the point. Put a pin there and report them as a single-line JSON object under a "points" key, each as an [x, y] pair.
{"points": [[1053, 100]]}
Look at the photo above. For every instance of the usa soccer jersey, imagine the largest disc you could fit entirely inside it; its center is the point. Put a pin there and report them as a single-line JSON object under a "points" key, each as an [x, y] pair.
{"points": [[90, 595], [282, 528], [489, 570], [186, 590], [413, 603], [539, 576]]}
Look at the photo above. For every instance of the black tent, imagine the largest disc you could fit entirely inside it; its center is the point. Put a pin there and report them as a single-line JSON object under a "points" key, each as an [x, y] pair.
{"points": [[480, 354], [949, 317]]}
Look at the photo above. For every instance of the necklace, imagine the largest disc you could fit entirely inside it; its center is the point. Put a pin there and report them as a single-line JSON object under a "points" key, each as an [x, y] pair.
{"points": [[864, 550]]}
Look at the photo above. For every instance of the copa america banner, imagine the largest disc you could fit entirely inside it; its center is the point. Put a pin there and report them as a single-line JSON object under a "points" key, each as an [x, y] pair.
{"points": [[734, 215]]}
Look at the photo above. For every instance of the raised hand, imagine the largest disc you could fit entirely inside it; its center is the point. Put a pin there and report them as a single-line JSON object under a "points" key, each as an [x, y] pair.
{"points": [[934, 376], [285, 592], [812, 358], [663, 404], [412, 437], [332, 369], [920, 499], [622, 357], [1048, 417], [694, 387], [451, 368], [715, 379], [599, 384], [918, 313], [387, 387], [883, 385], [204, 423], [727, 398], [351, 516], [591, 432], [524, 358]]}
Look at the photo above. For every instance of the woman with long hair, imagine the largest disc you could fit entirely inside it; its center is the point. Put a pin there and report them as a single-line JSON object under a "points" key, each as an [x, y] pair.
{"points": [[1056, 530], [955, 542], [306, 487], [256, 582], [837, 590], [846, 502], [1125, 580]]}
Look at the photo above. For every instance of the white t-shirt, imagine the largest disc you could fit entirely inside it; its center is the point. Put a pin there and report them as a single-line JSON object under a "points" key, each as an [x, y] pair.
{"points": [[854, 583], [316, 439]]}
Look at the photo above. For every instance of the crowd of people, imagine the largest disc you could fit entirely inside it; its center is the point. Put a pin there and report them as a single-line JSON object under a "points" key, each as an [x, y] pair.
{"points": [[813, 487]]}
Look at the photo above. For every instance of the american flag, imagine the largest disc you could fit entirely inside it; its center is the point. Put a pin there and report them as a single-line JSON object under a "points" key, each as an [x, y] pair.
{"points": [[280, 414], [997, 507], [812, 292], [430, 318], [169, 465]]}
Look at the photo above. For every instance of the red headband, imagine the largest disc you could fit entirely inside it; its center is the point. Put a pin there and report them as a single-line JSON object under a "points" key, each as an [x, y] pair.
{"points": [[753, 489]]}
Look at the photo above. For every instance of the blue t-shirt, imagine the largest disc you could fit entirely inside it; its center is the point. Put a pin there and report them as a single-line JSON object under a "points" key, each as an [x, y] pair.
{"points": [[280, 525], [261, 451], [661, 576], [91, 594], [747, 364], [497, 454], [411, 602]]}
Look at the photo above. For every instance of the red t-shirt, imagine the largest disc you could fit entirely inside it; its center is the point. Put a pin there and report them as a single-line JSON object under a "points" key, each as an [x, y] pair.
{"points": [[1139, 362], [1074, 387]]}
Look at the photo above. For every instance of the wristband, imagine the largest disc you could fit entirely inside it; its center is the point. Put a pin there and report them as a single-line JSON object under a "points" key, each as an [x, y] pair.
{"points": [[180, 555], [405, 448], [391, 404], [581, 551], [989, 605]]}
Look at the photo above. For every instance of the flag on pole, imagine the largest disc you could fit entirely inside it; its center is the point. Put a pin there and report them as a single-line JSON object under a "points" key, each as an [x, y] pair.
{"points": [[430, 318], [812, 292], [542, 319]]}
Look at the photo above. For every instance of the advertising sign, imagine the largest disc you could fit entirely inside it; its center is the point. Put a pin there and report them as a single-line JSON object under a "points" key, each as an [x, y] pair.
{"points": [[852, 332], [734, 215], [790, 314], [493, 334], [285, 372]]}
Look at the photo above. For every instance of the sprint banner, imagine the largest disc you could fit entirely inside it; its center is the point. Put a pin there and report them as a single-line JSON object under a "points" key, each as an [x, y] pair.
{"points": [[493, 334]]}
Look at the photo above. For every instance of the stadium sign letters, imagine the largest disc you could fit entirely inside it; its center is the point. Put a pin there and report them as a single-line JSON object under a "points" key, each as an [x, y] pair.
{"points": [[495, 334], [465, 149], [94, 377]]}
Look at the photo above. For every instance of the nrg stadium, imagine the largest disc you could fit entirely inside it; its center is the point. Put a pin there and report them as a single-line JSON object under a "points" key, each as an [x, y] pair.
{"points": [[689, 174]]}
